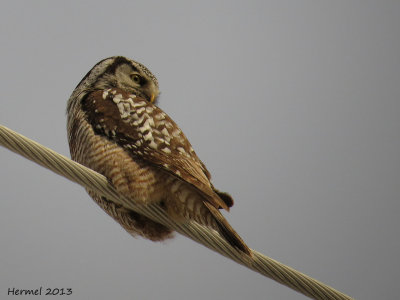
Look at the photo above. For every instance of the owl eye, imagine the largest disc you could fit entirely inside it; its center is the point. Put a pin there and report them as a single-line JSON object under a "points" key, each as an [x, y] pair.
{"points": [[136, 78]]}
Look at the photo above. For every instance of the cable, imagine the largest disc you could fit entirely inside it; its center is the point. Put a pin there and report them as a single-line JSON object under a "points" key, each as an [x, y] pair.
{"points": [[205, 236]]}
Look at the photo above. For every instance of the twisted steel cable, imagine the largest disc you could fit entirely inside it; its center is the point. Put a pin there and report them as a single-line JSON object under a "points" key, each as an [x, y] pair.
{"points": [[205, 236]]}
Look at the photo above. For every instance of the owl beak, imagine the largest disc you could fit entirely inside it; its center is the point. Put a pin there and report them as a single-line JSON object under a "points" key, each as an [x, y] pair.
{"points": [[152, 98]]}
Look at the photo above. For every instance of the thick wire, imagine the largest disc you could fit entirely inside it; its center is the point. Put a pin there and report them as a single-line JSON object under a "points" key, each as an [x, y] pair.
{"points": [[205, 236]]}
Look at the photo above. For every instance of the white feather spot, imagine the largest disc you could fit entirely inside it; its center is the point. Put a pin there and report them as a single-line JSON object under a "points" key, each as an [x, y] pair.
{"points": [[105, 94], [160, 116], [124, 115], [127, 106], [130, 101], [151, 122], [117, 98], [167, 139], [155, 131], [181, 150], [122, 110], [165, 132], [139, 121], [148, 137], [145, 126], [166, 150], [140, 110], [153, 145], [139, 104], [149, 109], [162, 141]]}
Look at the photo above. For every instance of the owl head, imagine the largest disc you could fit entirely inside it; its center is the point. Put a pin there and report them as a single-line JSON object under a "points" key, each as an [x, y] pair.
{"points": [[118, 72]]}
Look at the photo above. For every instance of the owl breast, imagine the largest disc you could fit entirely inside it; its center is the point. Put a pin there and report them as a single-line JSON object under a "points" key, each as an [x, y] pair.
{"points": [[133, 179]]}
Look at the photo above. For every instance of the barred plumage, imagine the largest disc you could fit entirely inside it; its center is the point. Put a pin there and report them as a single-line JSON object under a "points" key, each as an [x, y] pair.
{"points": [[116, 129]]}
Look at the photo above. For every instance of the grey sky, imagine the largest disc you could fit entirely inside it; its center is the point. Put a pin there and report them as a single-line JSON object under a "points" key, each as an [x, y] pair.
{"points": [[292, 105]]}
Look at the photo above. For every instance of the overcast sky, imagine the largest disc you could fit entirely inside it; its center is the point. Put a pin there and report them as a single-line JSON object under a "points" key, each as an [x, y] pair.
{"points": [[293, 106]]}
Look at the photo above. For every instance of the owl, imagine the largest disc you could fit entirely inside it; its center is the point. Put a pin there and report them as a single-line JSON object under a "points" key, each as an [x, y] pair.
{"points": [[115, 128]]}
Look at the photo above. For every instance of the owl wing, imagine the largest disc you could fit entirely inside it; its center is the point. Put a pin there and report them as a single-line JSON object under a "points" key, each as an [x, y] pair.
{"points": [[224, 196], [149, 134]]}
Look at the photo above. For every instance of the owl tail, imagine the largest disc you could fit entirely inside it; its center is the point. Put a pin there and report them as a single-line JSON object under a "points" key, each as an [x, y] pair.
{"points": [[226, 230]]}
